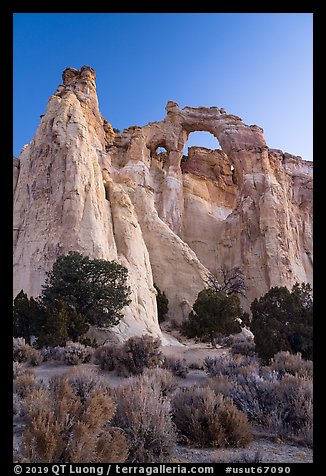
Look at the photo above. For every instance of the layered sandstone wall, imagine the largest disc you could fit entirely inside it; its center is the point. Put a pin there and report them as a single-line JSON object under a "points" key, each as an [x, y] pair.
{"points": [[169, 219]]}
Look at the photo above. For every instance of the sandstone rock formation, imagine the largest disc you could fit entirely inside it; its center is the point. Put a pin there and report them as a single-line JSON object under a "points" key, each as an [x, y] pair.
{"points": [[79, 186]]}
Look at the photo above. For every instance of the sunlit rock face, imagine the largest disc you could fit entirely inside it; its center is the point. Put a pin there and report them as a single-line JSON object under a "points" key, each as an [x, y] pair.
{"points": [[169, 218]]}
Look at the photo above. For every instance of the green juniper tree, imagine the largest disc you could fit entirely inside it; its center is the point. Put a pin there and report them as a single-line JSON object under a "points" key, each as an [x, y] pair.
{"points": [[94, 288], [60, 323], [162, 304], [282, 320], [27, 316], [214, 313], [78, 292]]}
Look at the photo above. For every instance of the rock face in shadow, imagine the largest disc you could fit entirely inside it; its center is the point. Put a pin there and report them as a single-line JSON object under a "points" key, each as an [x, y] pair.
{"points": [[170, 219]]}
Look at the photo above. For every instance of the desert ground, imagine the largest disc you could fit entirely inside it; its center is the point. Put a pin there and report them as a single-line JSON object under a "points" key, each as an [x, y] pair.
{"points": [[265, 447]]}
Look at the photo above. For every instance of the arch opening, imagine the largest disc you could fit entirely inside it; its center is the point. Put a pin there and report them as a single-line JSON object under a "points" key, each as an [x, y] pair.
{"points": [[202, 139], [157, 149], [209, 150], [159, 155]]}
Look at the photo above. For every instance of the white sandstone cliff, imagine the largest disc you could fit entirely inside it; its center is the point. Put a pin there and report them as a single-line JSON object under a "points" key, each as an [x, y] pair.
{"points": [[79, 186]]}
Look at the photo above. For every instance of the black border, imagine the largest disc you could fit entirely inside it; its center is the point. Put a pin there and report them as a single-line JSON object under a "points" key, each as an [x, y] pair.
{"points": [[6, 82]]}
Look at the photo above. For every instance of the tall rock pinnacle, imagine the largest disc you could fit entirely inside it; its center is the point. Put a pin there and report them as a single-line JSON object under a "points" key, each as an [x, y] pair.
{"points": [[60, 202]]}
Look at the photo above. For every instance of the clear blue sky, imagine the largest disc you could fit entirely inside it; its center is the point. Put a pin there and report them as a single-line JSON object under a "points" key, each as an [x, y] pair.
{"points": [[257, 66]]}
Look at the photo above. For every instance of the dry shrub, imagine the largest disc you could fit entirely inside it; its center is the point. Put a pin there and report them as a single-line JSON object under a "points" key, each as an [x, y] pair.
{"points": [[292, 415], [76, 353], [229, 365], [25, 384], [286, 363], [145, 416], [177, 366], [161, 378], [52, 353], [136, 354], [283, 404], [19, 349], [19, 369], [253, 395], [113, 446], [35, 401], [206, 419], [278, 397], [220, 384], [239, 377], [84, 381], [235, 424], [35, 357], [23, 352], [61, 428], [242, 345], [195, 415], [16, 404], [105, 356]]}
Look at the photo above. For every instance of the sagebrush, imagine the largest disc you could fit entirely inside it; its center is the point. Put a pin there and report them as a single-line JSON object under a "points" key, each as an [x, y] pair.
{"points": [[163, 379], [84, 381], [23, 352], [206, 419], [137, 354], [106, 356], [61, 427], [178, 367], [294, 364], [278, 396], [145, 416]]}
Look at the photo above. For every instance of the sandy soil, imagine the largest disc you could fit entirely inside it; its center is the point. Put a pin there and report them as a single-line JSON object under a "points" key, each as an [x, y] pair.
{"points": [[267, 451], [193, 353]]}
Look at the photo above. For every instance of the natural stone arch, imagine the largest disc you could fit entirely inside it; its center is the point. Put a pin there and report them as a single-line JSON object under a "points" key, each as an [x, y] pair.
{"points": [[243, 144]]}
